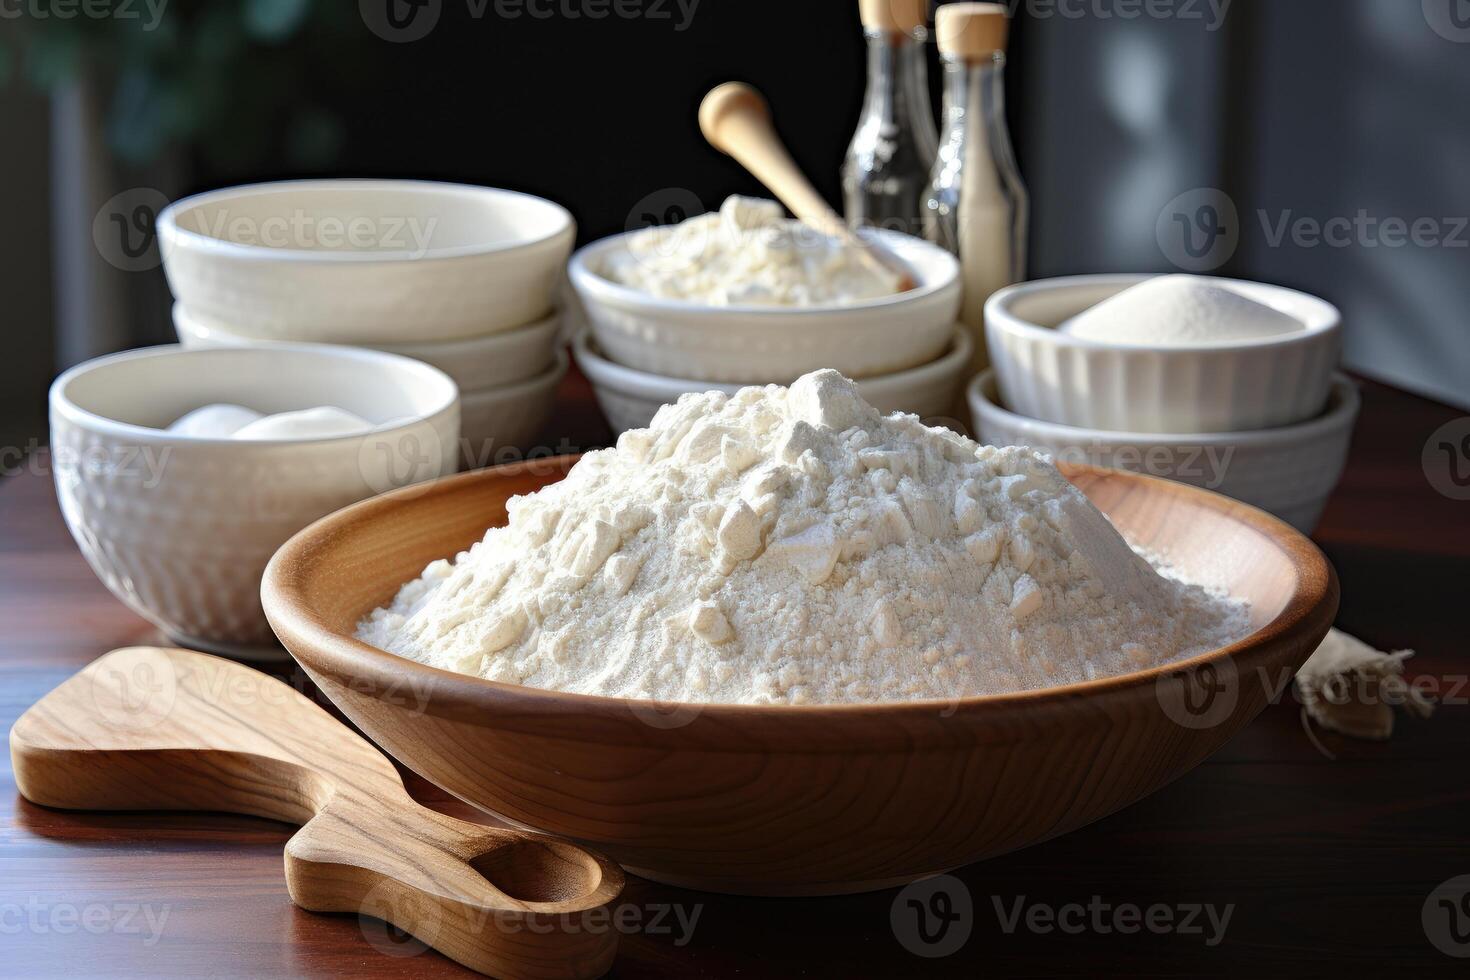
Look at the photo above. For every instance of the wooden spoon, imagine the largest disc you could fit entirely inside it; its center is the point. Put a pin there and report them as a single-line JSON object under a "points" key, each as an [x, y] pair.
{"points": [[145, 728], [736, 120]]}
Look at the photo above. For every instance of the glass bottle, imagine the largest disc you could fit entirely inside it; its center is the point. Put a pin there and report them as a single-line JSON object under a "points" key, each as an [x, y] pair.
{"points": [[976, 204], [886, 171]]}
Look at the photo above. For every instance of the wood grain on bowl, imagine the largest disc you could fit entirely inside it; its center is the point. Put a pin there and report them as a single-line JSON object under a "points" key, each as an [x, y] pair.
{"points": [[797, 800], [146, 728]]}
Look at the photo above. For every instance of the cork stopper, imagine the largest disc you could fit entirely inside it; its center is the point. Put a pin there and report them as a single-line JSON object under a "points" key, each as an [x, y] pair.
{"points": [[899, 16], [971, 30]]}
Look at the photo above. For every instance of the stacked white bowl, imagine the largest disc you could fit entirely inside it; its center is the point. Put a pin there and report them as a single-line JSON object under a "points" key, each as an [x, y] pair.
{"points": [[642, 351], [461, 277], [1266, 420]]}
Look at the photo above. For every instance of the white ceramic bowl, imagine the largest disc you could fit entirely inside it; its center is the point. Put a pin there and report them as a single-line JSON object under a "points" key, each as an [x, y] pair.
{"points": [[180, 528], [499, 423], [763, 344], [474, 363], [365, 261], [630, 398], [1289, 471], [1226, 387]]}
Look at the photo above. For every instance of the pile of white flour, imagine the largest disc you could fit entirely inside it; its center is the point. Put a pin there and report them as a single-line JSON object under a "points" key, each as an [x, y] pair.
{"points": [[1180, 311], [792, 546], [747, 253]]}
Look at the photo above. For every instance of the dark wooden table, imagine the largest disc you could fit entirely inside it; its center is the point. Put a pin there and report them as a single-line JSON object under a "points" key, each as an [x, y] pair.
{"points": [[1323, 866]]}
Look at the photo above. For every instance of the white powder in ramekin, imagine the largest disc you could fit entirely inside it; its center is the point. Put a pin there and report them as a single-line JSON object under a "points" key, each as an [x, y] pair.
{"points": [[792, 546], [1179, 311], [747, 253]]}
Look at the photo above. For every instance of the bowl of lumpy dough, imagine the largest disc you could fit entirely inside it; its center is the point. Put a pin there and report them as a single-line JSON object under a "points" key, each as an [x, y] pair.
{"points": [[778, 643], [745, 295]]}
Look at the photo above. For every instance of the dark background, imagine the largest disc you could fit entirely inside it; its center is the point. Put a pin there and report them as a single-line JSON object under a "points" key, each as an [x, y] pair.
{"points": [[1314, 109]]}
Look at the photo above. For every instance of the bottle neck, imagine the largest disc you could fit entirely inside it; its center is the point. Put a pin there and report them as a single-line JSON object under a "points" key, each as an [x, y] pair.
{"points": [[898, 79], [974, 99]]}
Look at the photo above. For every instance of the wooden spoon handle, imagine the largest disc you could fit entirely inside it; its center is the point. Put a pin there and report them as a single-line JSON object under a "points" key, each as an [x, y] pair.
{"points": [[736, 120], [149, 728]]}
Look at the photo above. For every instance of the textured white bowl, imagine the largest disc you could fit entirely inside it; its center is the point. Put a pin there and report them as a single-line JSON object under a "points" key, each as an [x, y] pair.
{"points": [[499, 423], [180, 528], [365, 261], [1228, 387], [630, 398], [1289, 471], [474, 363], [763, 344]]}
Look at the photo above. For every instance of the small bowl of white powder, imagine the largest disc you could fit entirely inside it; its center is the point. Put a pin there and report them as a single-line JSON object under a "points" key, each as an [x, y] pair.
{"points": [[1162, 354], [779, 643], [745, 295], [179, 472]]}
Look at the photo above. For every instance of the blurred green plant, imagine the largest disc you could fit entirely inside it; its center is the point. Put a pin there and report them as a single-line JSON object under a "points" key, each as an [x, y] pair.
{"points": [[236, 81]]}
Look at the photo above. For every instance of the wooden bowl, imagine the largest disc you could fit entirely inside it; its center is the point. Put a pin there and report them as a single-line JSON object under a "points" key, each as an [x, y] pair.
{"points": [[778, 800]]}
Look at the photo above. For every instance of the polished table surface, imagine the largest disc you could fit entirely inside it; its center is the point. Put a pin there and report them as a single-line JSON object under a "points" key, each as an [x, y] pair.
{"points": [[1270, 858]]}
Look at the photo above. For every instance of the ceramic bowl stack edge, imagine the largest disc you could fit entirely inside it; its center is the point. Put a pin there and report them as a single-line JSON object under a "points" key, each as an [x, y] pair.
{"points": [[630, 398], [463, 278]]}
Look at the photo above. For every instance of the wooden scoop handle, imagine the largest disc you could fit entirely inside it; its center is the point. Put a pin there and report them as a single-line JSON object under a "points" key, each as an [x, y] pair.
{"points": [[145, 728], [736, 120]]}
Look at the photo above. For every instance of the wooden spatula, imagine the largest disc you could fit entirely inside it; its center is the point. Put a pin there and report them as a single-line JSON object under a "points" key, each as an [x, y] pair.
{"points": [[145, 728], [736, 120]]}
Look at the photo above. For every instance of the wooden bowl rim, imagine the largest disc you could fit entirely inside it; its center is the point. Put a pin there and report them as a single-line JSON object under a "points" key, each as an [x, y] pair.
{"points": [[1303, 621]]}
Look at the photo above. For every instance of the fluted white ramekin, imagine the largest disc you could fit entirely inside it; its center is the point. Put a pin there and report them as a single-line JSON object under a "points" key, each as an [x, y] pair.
{"points": [[629, 398], [180, 528], [1226, 387], [1289, 471], [765, 344]]}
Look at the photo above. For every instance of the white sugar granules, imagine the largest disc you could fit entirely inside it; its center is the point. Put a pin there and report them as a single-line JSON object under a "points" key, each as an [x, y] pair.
{"points": [[792, 546], [1179, 311]]}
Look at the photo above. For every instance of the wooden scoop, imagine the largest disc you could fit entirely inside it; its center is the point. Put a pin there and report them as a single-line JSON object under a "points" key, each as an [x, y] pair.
{"points": [[145, 728], [736, 120]]}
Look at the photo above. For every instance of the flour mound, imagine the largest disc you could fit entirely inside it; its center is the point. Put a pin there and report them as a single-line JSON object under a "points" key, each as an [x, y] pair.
{"points": [[791, 546], [746, 254]]}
